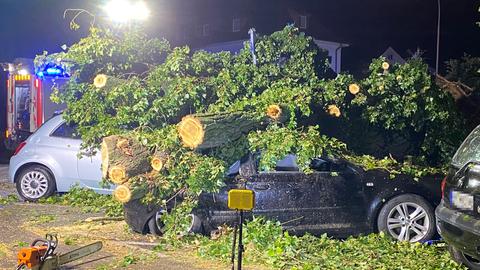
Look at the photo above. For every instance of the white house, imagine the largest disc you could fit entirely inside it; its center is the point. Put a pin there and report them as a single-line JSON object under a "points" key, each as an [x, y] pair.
{"points": [[393, 57]]}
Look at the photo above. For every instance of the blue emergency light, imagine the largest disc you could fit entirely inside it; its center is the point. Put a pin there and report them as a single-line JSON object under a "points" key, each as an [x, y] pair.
{"points": [[52, 70]]}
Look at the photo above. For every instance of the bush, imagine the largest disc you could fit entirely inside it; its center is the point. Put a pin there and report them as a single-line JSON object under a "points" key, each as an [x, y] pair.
{"points": [[266, 243]]}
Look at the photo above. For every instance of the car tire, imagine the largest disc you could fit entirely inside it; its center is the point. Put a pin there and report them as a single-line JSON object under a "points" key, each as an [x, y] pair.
{"points": [[35, 182], [464, 259], [418, 225], [196, 225], [157, 227], [155, 224]]}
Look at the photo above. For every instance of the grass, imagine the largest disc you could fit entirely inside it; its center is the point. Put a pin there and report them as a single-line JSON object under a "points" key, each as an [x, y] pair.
{"points": [[11, 198], [88, 201]]}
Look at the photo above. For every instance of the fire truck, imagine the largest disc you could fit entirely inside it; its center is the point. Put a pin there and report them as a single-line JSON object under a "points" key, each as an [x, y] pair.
{"points": [[28, 98]]}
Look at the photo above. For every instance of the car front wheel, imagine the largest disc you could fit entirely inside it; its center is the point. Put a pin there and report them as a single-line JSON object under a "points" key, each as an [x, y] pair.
{"points": [[157, 227], [407, 217], [35, 182]]}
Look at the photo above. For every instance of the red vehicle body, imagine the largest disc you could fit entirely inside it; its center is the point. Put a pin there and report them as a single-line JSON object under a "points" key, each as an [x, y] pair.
{"points": [[28, 104]]}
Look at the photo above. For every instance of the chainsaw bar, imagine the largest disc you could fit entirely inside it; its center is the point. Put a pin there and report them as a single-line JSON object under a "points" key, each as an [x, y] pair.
{"points": [[55, 261]]}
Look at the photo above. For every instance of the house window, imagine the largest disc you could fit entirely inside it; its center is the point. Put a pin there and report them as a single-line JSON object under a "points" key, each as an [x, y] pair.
{"points": [[236, 25], [206, 30], [303, 22]]}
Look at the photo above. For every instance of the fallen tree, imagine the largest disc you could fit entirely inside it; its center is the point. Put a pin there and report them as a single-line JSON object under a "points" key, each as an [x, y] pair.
{"points": [[191, 114], [123, 158]]}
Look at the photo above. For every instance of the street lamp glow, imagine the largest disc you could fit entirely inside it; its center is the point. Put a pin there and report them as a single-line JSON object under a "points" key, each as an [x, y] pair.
{"points": [[122, 11]]}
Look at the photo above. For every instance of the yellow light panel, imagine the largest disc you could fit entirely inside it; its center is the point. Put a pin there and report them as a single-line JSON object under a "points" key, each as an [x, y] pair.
{"points": [[241, 199]]}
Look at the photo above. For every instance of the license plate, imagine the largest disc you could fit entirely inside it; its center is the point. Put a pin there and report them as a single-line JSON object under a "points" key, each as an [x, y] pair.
{"points": [[461, 200]]}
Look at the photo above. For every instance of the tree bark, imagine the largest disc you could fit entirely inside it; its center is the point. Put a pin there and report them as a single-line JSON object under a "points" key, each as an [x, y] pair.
{"points": [[204, 131], [123, 158]]}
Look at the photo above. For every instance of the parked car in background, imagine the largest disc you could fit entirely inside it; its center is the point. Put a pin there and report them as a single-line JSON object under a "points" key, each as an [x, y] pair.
{"points": [[49, 161], [338, 198], [458, 215]]}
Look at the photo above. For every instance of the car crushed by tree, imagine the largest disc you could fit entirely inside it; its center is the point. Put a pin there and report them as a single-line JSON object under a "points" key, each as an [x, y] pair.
{"points": [[170, 121]]}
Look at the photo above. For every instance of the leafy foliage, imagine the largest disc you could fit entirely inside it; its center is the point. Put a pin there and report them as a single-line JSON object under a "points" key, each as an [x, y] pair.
{"points": [[88, 201], [266, 243], [276, 142], [11, 198], [465, 70]]}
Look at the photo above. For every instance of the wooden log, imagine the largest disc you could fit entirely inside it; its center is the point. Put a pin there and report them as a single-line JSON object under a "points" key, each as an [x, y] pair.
{"points": [[204, 131], [158, 161], [123, 157], [125, 193], [277, 113], [107, 83]]}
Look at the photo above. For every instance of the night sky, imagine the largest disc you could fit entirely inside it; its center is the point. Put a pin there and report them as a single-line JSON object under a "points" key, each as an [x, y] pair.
{"points": [[28, 27]]}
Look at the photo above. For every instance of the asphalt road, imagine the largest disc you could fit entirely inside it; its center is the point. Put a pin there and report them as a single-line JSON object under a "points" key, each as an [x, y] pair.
{"points": [[6, 187], [3, 173]]}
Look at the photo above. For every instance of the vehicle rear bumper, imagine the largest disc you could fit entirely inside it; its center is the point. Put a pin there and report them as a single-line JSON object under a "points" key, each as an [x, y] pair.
{"points": [[13, 166], [459, 230]]}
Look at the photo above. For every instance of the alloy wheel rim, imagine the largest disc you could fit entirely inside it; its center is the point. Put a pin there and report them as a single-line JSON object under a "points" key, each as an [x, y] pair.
{"points": [[34, 184], [408, 222]]}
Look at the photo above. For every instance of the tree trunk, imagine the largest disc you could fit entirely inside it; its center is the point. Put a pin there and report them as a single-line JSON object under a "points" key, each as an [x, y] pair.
{"points": [[123, 158], [158, 161], [125, 193], [203, 131]]}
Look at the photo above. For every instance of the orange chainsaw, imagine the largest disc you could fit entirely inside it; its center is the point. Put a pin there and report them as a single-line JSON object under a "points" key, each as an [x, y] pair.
{"points": [[40, 255]]}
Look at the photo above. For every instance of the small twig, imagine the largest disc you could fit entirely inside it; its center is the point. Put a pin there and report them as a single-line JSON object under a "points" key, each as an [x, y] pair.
{"points": [[292, 220], [175, 195], [135, 243], [79, 11], [93, 219]]}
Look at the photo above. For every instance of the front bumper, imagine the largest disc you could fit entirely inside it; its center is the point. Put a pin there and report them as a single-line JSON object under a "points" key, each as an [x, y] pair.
{"points": [[459, 230]]}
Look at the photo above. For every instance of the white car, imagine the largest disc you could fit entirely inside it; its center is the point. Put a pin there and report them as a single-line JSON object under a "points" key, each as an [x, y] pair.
{"points": [[49, 161]]}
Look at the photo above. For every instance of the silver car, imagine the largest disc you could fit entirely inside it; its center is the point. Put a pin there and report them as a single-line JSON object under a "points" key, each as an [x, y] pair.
{"points": [[49, 161]]}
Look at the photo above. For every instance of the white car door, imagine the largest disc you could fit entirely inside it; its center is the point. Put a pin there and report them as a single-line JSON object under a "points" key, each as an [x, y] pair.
{"points": [[90, 172], [62, 148], [84, 169]]}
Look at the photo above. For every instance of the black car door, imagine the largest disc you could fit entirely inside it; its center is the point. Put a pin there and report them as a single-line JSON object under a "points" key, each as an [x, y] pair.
{"points": [[277, 196], [332, 200]]}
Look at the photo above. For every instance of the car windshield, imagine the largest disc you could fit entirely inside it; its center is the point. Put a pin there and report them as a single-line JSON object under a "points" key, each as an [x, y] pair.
{"points": [[469, 150]]}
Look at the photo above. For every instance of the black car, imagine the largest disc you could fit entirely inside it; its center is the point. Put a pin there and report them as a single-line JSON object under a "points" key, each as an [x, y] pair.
{"points": [[338, 198], [458, 215]]}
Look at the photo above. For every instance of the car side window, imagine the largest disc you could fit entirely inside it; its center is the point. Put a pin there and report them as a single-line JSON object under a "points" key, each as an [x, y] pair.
{"points": [[66, 131], [288, 163]]}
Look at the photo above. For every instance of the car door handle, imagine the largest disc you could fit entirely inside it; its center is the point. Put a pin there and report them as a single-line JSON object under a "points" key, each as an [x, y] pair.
{"points": [[261, 187]]}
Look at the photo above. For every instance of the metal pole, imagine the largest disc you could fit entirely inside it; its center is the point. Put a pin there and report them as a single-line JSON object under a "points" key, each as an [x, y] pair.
{"points": [[232, 260], [240, 242], [438, 37]]}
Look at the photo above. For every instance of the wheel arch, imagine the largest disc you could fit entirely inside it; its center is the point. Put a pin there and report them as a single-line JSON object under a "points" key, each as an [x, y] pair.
{"points": [[29, 164], [379, 202]]}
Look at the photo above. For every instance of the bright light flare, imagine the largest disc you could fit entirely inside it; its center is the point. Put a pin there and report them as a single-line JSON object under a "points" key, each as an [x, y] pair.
{"points": [[23, 72], [122, 11]]}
